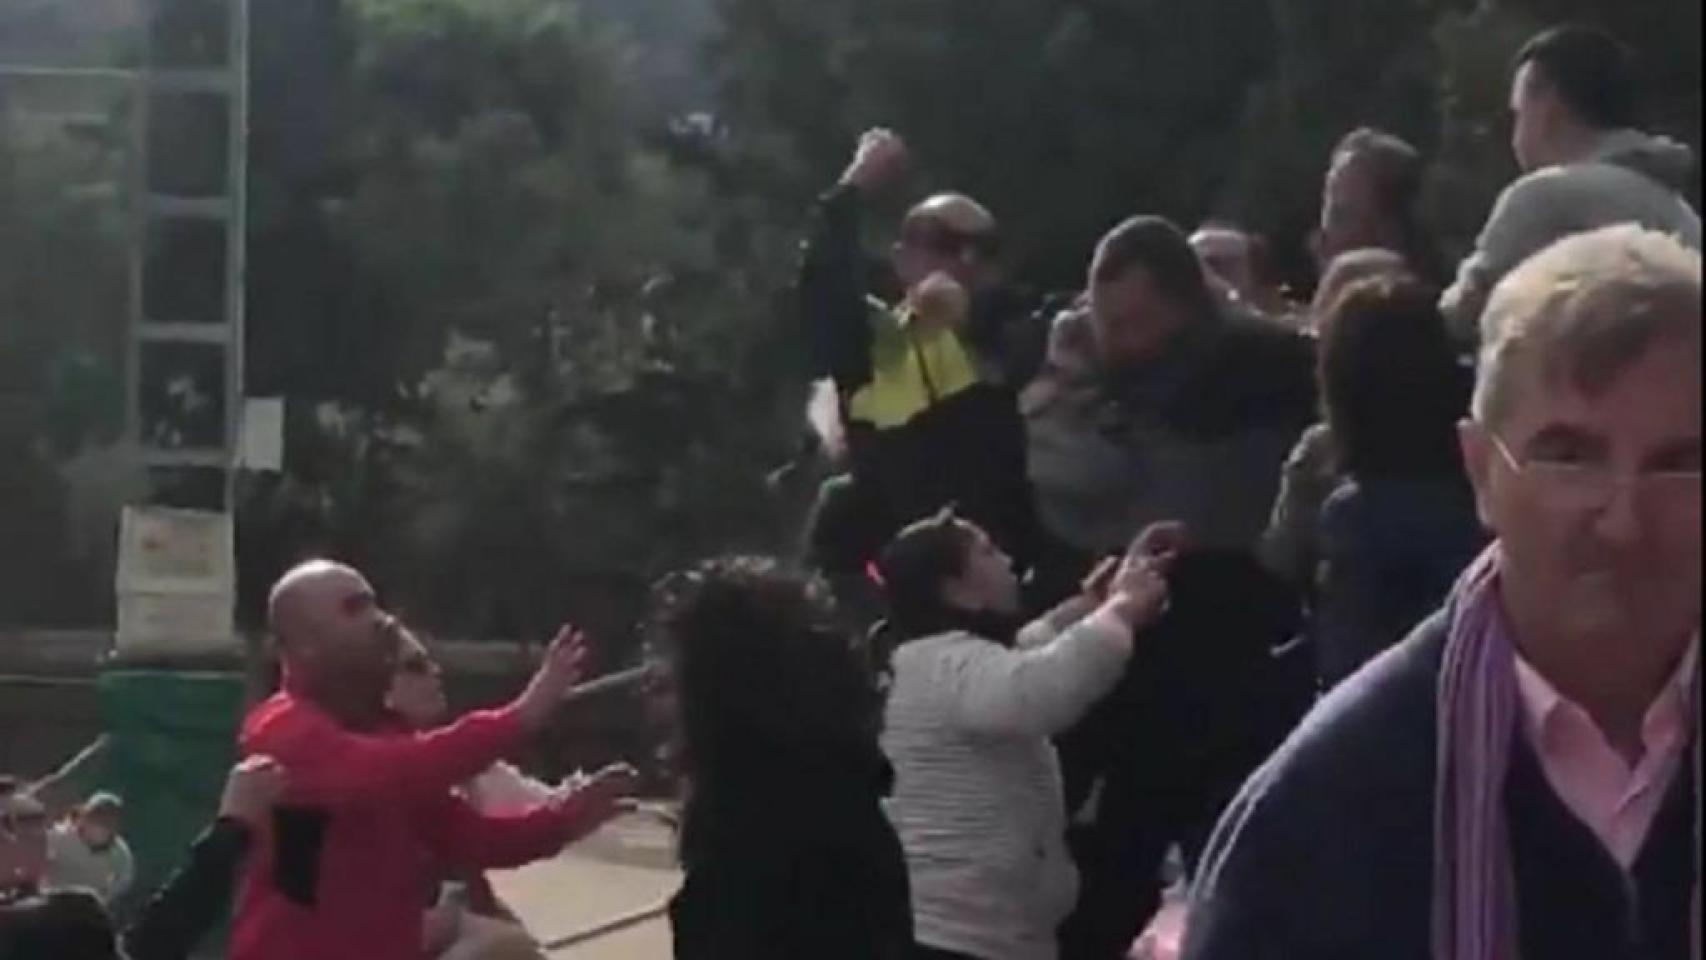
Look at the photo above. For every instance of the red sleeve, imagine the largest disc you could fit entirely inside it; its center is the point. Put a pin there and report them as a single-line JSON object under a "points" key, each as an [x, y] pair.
{"points": [[334, 767], [465, 839]]}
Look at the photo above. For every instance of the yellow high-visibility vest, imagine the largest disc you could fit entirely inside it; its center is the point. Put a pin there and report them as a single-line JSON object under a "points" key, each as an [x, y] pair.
{"points": [[911, 370]]}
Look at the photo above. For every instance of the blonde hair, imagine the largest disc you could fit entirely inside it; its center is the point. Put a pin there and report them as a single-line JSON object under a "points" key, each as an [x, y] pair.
{"points": [[1583, 310]]}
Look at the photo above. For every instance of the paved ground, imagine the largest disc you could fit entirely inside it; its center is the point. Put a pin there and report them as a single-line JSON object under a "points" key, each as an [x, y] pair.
{"points": [[625, 870]]}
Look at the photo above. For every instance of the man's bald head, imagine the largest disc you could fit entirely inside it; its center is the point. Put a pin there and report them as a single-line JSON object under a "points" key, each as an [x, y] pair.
{"points": [[306, 593], [332, 633], [948, 233], [956, 211]]}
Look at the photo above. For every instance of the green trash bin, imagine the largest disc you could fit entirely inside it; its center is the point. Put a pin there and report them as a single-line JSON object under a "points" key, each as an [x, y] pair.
{"points": [[173, 741]]}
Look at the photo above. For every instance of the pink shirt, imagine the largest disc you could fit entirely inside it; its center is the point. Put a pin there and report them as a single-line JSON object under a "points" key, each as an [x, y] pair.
{"points": [[1617, 802]]}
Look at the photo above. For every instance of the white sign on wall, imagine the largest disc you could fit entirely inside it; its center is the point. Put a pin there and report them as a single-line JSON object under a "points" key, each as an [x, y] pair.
{"points": [[176, 580]]}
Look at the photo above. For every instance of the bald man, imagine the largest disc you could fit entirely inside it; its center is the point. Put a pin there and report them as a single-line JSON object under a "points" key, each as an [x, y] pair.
{"points": [[346, 870], [927, 386]]}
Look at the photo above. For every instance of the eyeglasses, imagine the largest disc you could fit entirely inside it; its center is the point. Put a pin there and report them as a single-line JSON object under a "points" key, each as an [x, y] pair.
{"points": [[416, 666], [1589, 485]]}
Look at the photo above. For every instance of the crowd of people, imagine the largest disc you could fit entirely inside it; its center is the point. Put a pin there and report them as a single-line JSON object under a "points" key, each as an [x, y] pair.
{"points": [[1361, 627]]}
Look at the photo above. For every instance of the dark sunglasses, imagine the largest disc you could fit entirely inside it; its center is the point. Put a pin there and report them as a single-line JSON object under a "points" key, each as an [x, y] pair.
{"points": [[947, 242], [416, 666]]}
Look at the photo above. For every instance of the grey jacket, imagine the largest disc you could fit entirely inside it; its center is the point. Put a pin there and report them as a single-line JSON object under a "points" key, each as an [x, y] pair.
{"points": [[1199, 435], [1630, 177]]}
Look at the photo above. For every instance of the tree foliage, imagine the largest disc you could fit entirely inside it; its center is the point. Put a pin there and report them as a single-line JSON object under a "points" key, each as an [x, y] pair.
{"points": [[573, 337], [521, 266]]}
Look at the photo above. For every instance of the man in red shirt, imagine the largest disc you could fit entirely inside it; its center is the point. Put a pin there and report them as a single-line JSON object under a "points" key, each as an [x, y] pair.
{"points": [[345, 870]]}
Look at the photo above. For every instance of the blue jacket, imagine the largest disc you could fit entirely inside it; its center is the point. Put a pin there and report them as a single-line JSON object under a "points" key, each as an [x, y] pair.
{"points": [[1391, 547], [1327, 854]]}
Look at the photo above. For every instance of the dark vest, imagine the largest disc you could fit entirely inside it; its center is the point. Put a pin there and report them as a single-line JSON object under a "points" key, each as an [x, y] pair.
{"points": [[1576, 901]]}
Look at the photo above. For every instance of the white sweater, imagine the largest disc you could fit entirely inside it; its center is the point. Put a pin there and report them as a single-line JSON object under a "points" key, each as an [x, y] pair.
{"points": [[71, 863], [978, 801]]}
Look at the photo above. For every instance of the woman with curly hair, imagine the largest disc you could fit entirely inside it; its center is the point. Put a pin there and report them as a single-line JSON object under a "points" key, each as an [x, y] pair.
{"points": [[785, 847]]}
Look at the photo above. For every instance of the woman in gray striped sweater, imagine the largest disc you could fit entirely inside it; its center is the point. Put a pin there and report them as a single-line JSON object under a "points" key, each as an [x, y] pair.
{"points": [[972, 704]]}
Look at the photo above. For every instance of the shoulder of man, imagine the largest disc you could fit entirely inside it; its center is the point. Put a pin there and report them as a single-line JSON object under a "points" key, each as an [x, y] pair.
{"points": [[1530, 204], [1372, 732], [1255, 369], [1286, 845], [284, 725]]}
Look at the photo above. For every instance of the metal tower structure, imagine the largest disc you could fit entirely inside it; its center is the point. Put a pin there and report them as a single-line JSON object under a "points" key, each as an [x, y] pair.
{"points": [[187, 228]]}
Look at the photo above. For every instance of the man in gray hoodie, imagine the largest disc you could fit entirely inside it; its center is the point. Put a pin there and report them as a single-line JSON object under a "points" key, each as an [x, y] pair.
{"points": [[1585, 166]]}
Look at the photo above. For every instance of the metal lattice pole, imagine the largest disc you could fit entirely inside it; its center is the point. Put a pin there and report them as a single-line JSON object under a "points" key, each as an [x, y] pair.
{"points": [[146, 208]]}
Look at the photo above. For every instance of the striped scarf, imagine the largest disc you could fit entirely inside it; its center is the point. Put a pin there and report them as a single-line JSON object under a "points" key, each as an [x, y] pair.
{"points": [[1474, 886]]}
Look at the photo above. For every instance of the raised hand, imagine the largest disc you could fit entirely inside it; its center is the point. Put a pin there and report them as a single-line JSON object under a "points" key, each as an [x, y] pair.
{"points": [[603, 796], [251, 790], [878, 162], [1138, 593], [1160, 542], [564, 665]]}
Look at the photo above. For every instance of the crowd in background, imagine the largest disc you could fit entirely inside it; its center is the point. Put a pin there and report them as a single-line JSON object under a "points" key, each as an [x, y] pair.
{"points": [[1365, 626]]}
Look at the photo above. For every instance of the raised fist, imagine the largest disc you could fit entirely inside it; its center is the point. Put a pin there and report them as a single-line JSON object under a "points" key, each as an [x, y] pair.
{"points": [[878, 162]]}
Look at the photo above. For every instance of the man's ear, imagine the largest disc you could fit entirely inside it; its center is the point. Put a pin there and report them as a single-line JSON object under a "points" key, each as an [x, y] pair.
{"points": [[1478, 454]]}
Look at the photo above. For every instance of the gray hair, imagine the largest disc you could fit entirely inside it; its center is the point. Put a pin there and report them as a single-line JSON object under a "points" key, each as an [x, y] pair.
{"points": [[1583, 310]]}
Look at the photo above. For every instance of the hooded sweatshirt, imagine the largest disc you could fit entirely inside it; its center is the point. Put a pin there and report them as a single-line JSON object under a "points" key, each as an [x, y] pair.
{"points": [[1628, 177]]}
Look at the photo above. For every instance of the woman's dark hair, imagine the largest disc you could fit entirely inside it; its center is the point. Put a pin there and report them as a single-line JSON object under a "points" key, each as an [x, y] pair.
{"points": [[1590, 70], [1398, 173], [760, 666], [1163, 252], [62, 924], [1395, 167], [1391, 385], [914, 567]]}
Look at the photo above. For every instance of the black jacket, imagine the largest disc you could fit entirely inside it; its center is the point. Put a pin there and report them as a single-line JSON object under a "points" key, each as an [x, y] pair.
{"points": [[793, 858], [73, 925], [967, 448], [1214, 686], [194, 900]]}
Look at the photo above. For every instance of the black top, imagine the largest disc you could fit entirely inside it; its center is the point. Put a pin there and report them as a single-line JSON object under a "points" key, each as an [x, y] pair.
{"points": [[73, 925], [967, 449], [793, 857], [194, 900]]}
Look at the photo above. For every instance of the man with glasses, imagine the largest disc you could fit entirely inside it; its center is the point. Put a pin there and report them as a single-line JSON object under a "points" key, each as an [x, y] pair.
{"points": [[926, 386], [1521, 776]]}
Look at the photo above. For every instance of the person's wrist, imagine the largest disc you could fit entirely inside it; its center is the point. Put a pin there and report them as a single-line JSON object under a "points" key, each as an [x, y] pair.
{"points": [[531, 713], [1125, 609], [857, 179]]}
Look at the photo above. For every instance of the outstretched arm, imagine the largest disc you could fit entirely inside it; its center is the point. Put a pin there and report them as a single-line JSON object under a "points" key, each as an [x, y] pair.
{"points": [[465, 839]]}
